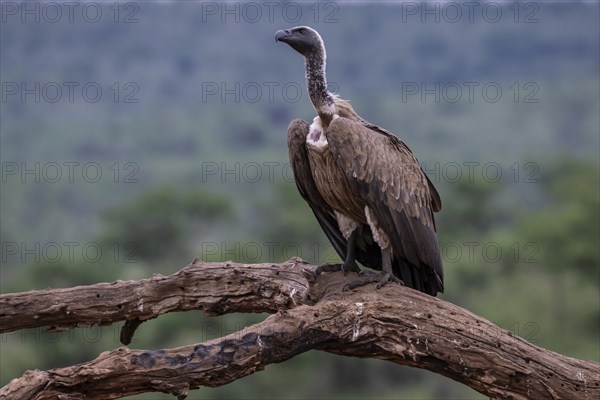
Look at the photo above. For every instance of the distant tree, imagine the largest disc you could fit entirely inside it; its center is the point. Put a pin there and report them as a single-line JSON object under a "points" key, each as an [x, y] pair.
{"points": [[162, 223], [568, 230]]}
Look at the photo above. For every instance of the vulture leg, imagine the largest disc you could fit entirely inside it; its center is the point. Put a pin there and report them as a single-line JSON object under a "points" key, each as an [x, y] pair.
{"points": [[387, 275], [350, 261], [380, 278]]}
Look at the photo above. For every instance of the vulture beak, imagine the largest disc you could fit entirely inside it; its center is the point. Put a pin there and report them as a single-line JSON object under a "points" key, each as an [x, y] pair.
{"points": [[281, 34]]}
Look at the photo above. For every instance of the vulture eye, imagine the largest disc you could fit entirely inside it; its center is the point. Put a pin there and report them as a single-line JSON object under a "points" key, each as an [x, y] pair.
{"points": [[301, 30]]}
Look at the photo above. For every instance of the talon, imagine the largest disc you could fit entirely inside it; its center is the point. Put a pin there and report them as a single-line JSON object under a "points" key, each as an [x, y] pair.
{"points": [[381, 279], [327, 268], [386, 278], [350, 266]]}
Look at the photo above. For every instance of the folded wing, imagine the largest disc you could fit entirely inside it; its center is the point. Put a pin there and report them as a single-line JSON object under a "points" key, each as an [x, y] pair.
{"points": [[368, 255], [382, 170]]}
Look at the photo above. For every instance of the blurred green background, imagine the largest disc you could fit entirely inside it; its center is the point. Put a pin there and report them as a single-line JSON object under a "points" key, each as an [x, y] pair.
{"points": [[136, 136]]}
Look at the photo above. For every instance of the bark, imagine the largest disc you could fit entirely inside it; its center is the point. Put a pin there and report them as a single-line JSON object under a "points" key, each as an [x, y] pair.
{"points": [[394, 323]]}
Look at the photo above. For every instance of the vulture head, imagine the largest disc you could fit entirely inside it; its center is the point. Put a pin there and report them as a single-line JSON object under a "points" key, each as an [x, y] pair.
{"points": [[303, 39]]}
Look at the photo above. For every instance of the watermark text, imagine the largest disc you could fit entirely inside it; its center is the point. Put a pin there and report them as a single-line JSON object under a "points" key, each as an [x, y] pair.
{"points": [[69, 252], [69, 172], [69, 11], [70, 92]]}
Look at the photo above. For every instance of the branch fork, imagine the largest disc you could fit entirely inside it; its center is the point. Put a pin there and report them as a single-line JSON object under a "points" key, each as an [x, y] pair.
{"points": [[394, 323]]}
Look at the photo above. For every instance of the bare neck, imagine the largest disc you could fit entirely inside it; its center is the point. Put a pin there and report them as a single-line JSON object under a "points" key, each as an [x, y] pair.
{"points": [[322, 100]]}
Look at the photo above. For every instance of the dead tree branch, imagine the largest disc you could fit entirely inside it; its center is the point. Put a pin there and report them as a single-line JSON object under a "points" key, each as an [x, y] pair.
{"points": [[394, 323]]}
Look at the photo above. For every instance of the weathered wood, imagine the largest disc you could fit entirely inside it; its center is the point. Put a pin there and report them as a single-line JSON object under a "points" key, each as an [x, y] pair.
{"points": [[394, 323], [215, 288]]}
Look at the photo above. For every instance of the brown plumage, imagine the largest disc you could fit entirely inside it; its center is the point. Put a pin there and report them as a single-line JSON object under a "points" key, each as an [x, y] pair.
{"points": [[365, 187]]}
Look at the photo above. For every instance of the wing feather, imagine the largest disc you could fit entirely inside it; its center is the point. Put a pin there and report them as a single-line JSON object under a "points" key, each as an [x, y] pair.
{"points": [[383, 171], [367, 251], [305, 183]]}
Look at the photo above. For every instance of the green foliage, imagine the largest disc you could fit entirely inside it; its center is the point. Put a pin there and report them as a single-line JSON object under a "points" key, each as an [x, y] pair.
{"points": [[295, 220], [161, 224], [568, 230], [531, 271]]}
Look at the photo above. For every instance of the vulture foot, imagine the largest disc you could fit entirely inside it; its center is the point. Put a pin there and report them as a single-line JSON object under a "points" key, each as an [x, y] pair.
{"points": [[326, 268], [348, 266], [381, 279]]}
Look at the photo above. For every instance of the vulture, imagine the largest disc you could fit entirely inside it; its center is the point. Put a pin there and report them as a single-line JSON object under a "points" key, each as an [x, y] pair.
{"points": [[363, 184]]}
